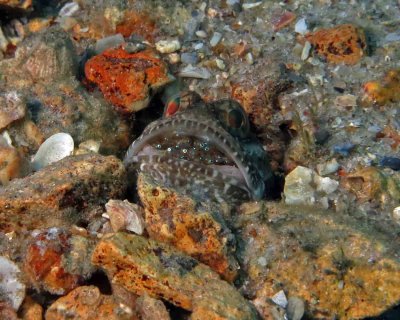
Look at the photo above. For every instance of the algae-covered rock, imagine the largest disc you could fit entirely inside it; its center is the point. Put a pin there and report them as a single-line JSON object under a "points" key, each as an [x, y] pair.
{"points": [[69, 191], [339, 265], [148, 267]]}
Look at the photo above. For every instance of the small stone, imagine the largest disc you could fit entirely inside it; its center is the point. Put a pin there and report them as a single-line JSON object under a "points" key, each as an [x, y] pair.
{"points": [[201, 34], [295, 308], [390, 162], [109, 43], [329, 167], [247, 6], [12, 288], [325, 185], [281, 20], [174, 58], [249, 58], [151, 309], [31, 310], [396, 214], [195, 72], [301, 26], [298, 188], [12, 108], [280, 299], [189, 58], [384, 91], [220, 64], [124, 215], [215, 39], [168, 46], [306, 51], [69, 9], [89, 146], [346, 101], [343, 149]]}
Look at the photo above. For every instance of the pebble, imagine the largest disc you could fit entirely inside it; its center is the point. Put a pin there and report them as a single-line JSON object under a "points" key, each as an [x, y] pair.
{"points": [[295, 308], [10, 162], [124, 215], [306, 51], [390, 162], [346, 101], [215, 39], [201, 34], [133, 47], [189, 58], [3, 41], [195, 72], [280, 299], [249, 58], [168, 46], [12, 289], [247, 6], [301, 26], [396, 214], [220, 64], [174, 58], [328, 167], [69, 9], [109, 42], [343, 149]]}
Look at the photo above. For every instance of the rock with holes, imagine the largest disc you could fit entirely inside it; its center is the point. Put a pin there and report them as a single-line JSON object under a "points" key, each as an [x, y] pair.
{"points": [[127, 79], [69, 191], [195, 229], [339, 265], [148, 267]]}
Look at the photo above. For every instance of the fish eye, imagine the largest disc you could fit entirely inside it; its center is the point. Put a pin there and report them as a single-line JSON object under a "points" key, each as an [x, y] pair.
{"points": [[232, 117]]}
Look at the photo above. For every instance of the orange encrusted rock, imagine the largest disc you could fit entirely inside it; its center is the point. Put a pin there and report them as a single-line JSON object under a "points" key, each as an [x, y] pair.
{"points": [[145, 266], [384, 91], [126, 79], [175, 219], [344, 43]]}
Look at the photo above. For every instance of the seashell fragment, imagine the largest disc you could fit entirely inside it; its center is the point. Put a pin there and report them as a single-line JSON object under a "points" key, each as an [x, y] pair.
{"points": [[55, 148], [194, 72], [12, 288]]}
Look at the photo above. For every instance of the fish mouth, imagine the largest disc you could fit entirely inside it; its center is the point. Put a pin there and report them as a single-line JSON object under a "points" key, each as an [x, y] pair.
{"points": [[238, 179]]}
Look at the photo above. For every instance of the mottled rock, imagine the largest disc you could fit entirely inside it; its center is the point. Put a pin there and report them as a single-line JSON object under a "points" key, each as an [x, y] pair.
{"points": [[57, 261], [87, 303], [343, 43], [7, 312], [127, 79], [178, 220], [12, 108], [66, 192], [147, 267], [384, 91], [339, 265]]}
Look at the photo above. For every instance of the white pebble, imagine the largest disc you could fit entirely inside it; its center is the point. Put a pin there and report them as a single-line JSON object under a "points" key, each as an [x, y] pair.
{"points": [[11, 287], [246, 6], [396, 214], [109, 42], [301, 26], [306, 51], [220, 64], [201, 34], [215, 39], [249, 58], [280, 299], [168, 46], [69, 9], [194, 72]]}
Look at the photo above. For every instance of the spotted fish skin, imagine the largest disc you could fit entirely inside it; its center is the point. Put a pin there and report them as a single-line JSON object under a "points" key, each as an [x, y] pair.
{"points": [[245, 152]]}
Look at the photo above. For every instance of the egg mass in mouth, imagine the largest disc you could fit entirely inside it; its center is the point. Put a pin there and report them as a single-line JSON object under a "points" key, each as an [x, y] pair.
{"points": [[195, 152]]}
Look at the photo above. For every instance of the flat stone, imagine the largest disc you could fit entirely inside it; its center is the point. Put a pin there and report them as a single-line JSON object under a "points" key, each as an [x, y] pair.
{"points": [[12, 108], [69, 191], [145, 266]]}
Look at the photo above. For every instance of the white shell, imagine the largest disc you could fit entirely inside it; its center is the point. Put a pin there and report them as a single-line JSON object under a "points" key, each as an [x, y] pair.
{"points": [[11, 286], [56, 147]]}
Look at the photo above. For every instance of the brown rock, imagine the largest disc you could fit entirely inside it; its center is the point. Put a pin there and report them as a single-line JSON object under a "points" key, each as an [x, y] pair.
{"points": [[7, 312], [31, 310], [384, 91], [66, 192], [126, 79], [174, 219], [340, 266], [10, 164], [344, 43], [87, 303], [149, 308], [147, 267]]}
